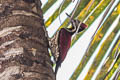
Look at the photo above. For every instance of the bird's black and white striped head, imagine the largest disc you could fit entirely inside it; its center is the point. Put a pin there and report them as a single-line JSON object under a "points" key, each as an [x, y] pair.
{"points": [[75, 24]]}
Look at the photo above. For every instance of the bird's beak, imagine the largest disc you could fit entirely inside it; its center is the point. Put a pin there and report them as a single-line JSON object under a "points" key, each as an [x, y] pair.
{"points": [[68, 16]]}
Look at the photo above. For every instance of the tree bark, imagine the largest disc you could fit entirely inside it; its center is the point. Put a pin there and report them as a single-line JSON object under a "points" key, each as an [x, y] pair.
{"points": [[23, 44]]}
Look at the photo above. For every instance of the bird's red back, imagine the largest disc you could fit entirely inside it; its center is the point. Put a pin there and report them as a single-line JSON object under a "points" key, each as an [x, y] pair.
{"points": [[65, 42]]}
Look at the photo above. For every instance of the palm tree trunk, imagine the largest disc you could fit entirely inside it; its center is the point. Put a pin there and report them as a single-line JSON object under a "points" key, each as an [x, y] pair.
{"points": [[23, 44]]}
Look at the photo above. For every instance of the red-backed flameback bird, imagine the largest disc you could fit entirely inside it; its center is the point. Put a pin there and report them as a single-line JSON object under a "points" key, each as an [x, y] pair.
{"points": [[61, 41]]}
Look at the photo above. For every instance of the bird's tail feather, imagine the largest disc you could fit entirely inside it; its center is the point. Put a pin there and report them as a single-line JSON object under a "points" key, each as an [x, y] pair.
{"points": [[56, 69], [58, 64]]}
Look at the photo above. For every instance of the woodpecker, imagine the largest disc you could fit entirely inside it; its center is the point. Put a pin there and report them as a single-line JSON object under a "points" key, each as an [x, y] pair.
{"points": [[61, 41]]}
